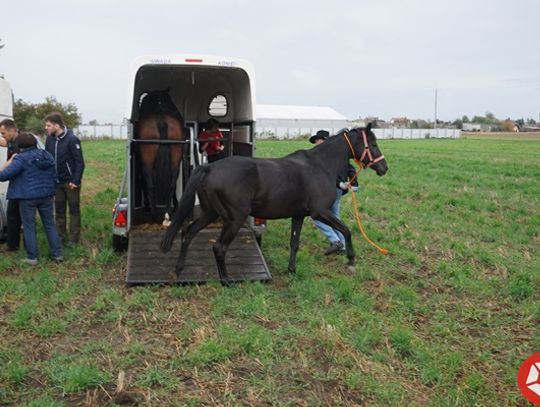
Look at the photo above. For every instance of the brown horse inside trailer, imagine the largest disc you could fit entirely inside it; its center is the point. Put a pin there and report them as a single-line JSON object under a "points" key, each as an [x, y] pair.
{"points": [[159, 122]]}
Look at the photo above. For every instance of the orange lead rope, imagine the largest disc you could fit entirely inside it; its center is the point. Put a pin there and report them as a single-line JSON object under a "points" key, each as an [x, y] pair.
{"points": [[355, 203], [359, 222]]}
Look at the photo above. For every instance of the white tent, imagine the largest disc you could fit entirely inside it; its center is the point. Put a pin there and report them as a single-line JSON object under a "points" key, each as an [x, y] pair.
{"points": [[283, 121]]}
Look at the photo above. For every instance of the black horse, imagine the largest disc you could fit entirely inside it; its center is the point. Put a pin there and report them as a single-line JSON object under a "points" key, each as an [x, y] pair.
{"points": [[298, 185]]}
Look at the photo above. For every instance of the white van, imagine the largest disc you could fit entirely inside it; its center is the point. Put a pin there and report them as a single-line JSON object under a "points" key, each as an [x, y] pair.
{"points": [[6, 112]]}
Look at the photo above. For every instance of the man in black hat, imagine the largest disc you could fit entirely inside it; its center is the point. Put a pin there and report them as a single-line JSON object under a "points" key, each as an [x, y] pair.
{"points": [[336, 239], [319, 137]]}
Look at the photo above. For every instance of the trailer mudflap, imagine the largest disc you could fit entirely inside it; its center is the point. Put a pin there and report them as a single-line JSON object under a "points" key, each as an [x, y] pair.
{"points": [[148, 265]]}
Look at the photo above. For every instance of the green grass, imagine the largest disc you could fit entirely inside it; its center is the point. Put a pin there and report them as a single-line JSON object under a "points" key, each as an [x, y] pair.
{"points": [[445, 319]]}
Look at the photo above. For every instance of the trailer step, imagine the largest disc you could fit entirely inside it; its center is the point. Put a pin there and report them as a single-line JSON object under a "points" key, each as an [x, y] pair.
{"points": [[148, 265]]}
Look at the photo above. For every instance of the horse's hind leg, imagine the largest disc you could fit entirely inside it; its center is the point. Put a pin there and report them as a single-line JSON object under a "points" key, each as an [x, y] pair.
{"points": [[228, 233], [148, 158], [150, 190], [296, 228], [191, 231]]}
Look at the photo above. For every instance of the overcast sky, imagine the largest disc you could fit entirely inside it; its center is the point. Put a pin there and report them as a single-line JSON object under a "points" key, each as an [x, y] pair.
{"points": [[361, 57]]}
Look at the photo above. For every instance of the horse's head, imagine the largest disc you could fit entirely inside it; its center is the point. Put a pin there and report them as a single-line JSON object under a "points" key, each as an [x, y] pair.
{"points": [[365, 149]]}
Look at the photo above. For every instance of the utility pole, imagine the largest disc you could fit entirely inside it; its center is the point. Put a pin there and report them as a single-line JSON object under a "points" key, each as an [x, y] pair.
{"points": [[435, 121]]}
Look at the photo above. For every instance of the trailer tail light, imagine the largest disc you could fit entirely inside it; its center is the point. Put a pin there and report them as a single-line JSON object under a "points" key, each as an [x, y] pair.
{"points": [[121, 218], [259, 221], [199, 60]]}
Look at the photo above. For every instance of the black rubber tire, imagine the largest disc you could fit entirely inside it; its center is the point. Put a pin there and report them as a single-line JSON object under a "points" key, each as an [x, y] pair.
{"points": [[120, 243]]}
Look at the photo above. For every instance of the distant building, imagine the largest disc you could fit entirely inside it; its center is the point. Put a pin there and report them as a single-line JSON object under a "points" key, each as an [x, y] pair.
{"points": [[476, 127], [286, 121], [374, 120], [510, 125], [531, 128], [400, 122], [421, 124]]}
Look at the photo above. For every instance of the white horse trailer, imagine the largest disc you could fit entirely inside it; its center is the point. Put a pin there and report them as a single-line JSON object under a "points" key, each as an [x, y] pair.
{"points": [[201, 87]]}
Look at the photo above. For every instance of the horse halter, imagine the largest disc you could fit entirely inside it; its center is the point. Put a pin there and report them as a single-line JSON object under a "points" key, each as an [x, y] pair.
{"points": [[366, 152]]}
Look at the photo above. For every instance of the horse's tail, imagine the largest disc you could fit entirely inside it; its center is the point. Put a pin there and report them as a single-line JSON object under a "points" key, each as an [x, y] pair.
{"points": [[185, 206], [163, 164]]}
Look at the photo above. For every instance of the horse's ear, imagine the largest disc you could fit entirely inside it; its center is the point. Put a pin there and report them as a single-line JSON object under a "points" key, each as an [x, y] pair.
{"points": [[368, 127]]}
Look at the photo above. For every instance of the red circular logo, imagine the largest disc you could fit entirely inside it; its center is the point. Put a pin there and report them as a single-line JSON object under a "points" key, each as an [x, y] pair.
{"points": [[528, 378]]}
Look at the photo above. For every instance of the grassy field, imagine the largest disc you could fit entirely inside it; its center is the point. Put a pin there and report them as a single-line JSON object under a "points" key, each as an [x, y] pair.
{"points": [[444, 320]]}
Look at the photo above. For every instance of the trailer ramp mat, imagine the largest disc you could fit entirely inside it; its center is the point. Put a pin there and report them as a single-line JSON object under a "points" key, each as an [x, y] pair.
{"points": [[146, 264]]}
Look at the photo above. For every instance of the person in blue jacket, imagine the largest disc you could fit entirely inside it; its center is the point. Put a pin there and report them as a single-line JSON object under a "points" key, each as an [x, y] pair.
{"points": [[65, 147], [32, 177]]}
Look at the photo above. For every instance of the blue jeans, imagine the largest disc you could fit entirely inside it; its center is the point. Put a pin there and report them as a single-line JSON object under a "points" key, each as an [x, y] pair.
{"points": [[28, 208], [332, 235]]}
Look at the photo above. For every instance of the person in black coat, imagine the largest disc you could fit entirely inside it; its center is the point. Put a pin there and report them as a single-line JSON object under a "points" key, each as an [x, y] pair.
{"points": [[66, 149]]}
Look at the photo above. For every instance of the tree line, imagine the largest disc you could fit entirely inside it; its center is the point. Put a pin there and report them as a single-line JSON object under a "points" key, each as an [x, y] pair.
{"points": [[496, 124], [29, 116]]}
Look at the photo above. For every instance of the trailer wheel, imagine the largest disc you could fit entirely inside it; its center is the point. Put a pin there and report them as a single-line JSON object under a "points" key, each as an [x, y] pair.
{"points": [[120, 243]]}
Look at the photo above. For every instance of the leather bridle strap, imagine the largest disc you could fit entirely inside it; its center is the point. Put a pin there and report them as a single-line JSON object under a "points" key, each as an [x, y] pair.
{"points": [[366, 152]]}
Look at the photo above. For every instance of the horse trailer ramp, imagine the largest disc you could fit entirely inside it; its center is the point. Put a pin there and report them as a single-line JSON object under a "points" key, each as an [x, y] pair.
{"points": [[146, 264]]}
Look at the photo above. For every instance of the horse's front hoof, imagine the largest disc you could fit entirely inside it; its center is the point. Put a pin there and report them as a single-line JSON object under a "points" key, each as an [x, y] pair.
{"points": [[291, 269], [351, 268]]}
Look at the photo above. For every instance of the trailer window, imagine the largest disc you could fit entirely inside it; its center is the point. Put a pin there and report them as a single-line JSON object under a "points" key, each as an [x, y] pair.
{"points": [[218, 106]]}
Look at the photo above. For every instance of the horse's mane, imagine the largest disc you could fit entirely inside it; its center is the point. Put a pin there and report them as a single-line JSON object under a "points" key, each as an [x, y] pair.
{"points": [[158, 102]]}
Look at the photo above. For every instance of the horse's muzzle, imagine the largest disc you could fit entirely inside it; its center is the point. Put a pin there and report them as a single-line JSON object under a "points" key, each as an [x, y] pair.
{"points": [[381, 168]]}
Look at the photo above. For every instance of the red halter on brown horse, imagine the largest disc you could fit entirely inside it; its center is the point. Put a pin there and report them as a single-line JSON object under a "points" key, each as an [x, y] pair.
{"points": [[160, 121]]}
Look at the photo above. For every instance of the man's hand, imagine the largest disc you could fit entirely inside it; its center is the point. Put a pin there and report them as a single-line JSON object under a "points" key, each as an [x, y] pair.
{"points": [[71, 185], [354, 189], [344, 186]]}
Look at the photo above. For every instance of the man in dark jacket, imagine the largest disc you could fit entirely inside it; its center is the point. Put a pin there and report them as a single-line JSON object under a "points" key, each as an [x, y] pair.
{"points": [[65, 147], [32, 179], [346, 173], [8, 132]]}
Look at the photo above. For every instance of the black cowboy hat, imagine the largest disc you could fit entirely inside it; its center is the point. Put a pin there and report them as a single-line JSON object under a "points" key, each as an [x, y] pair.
{"points": [[321, 134]]}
